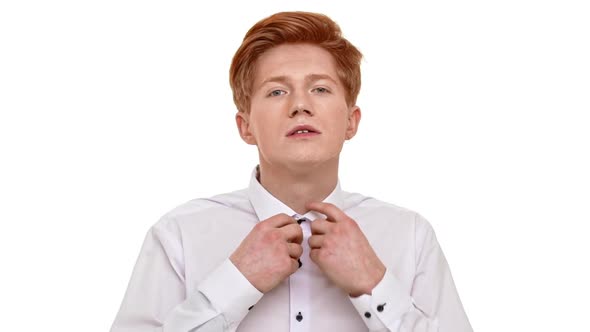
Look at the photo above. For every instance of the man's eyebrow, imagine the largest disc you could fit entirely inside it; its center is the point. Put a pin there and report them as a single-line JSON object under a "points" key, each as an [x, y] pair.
{"points": [[308, 78], [278, 79], [317, 77]]}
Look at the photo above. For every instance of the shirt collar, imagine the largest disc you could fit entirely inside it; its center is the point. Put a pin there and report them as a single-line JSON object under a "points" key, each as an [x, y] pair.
{"points": [[266, 205]]}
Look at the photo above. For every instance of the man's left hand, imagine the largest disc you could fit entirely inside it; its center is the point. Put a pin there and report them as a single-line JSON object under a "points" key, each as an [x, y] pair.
{"points": [[342, 252]]}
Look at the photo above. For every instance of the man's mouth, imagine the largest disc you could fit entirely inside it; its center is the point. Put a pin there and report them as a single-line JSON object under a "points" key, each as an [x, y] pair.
{"points": [[303, 131]]}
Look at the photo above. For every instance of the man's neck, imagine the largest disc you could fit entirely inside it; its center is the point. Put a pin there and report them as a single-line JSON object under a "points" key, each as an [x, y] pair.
{"points": [[296, 188]]}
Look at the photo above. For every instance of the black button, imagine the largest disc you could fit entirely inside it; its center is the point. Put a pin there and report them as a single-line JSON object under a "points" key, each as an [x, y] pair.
{"points": [[380, 307], [251, 307], [299, 221], [300, 264], [299, 317], [368, 314]]}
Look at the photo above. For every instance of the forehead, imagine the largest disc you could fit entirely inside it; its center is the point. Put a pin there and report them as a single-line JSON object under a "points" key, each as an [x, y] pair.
{"points": [[295, 61]]}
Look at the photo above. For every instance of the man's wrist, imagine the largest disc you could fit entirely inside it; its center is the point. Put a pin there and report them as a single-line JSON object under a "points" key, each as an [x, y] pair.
{"points": [[389, 300], [230, 292], [375, 279]]}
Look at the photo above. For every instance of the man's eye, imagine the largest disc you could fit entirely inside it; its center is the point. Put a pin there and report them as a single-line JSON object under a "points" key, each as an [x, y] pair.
{"points": [[321, 90], [275, 93]]}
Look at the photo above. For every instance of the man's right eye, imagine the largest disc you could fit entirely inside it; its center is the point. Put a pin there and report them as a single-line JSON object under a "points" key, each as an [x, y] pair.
{"points": [[275, 93]]}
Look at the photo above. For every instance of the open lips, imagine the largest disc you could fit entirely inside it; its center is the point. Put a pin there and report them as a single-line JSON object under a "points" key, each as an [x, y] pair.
{"points": [[302, 130]]}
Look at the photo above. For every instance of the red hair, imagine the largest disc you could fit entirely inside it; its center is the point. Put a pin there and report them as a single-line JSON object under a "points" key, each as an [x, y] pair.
{"points": [[294, 27]]}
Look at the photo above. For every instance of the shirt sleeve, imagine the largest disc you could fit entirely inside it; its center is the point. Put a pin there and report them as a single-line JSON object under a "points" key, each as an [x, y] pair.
{"points": [[156, 298], [432, 305]]}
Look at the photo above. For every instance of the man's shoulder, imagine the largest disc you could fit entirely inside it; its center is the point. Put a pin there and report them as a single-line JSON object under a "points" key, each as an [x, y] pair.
{"points": [[194, 208], [353, 200], [362, 205]]}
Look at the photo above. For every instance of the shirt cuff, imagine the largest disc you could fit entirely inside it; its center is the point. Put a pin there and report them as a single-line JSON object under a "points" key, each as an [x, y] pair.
{"points": [[385, 306], [230, 293]]}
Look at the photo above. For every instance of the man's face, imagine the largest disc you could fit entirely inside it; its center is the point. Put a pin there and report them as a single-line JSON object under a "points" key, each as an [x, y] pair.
{"points": [[297, 84]]}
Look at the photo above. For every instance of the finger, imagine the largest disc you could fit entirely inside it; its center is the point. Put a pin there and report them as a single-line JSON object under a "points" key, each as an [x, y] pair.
{"points": [[294, 265], [315, 241], [332, 212], [295, 250], [292, 233], [314, 254], [321, 226], [279, 220]]}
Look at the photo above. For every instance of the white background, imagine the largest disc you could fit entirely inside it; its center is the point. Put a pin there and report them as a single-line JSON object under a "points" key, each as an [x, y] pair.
{"points": [[474, 114]]}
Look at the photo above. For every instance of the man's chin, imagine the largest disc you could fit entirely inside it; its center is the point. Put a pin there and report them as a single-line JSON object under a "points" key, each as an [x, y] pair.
{"points": [[306, 163]]}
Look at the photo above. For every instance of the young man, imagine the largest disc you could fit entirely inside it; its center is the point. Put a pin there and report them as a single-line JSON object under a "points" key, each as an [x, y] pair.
{"points": [[292, 252]]}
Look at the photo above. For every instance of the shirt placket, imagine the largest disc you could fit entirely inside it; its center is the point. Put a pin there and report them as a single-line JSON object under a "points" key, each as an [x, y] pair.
{"points": [[299, 285]]}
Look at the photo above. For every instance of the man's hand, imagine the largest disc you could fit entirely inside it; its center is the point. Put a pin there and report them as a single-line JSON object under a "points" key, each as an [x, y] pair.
{"points": [[270, 252], [343, 253]]}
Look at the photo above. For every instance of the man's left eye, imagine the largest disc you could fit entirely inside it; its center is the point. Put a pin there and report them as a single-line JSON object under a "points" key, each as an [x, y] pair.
{"points": [[276, 93], [321, 90]]}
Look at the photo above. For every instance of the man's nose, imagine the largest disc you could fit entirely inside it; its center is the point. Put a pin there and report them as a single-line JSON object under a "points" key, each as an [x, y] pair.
{"points": [[300, 104], [297, 109]]}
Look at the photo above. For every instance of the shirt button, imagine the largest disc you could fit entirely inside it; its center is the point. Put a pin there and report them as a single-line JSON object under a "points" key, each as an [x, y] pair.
{"points": [[299, 221], [250, 307], [381, 307], [299, 317], [368, 314]]}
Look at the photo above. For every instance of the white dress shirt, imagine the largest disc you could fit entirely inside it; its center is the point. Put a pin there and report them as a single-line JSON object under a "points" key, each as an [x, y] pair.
{"points": [[184, 281]]}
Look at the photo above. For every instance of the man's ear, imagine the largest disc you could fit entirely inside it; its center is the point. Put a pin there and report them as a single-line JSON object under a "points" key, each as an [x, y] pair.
{"points": [[354, 118], [243, 123]]}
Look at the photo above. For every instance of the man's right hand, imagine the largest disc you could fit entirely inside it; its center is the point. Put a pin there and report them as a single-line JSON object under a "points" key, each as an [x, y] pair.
{"points": [[270, 252]]}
